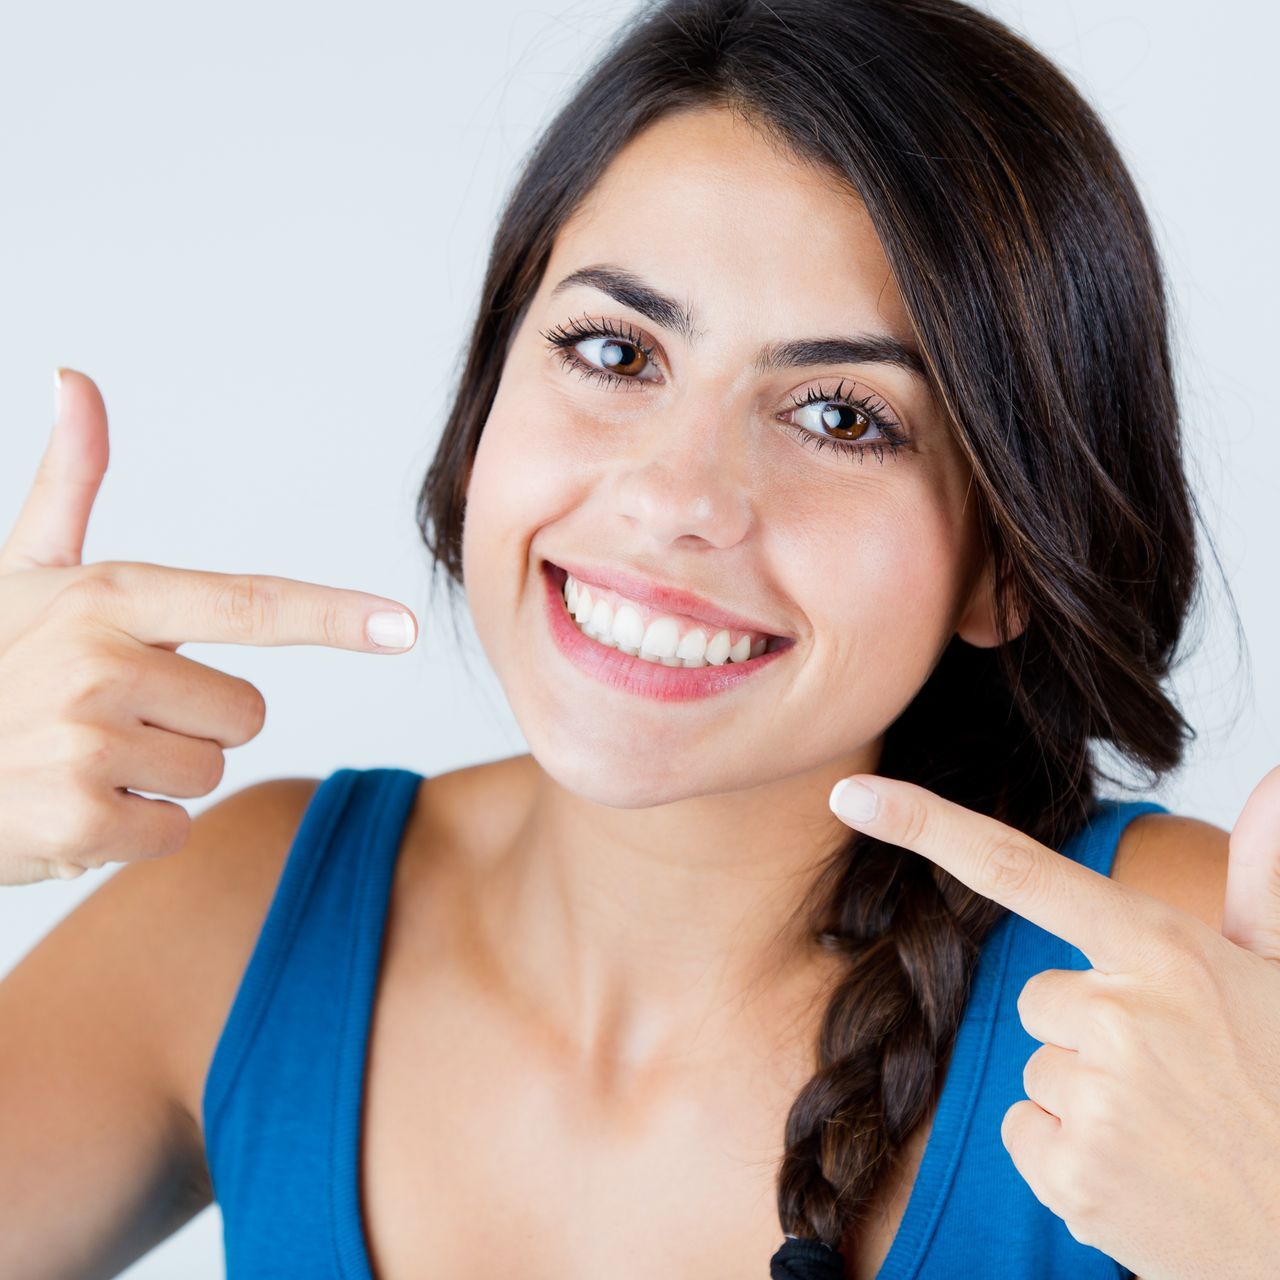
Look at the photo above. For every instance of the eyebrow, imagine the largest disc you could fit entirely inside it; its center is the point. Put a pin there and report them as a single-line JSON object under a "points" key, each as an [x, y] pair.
{"points": [[627, 288]]}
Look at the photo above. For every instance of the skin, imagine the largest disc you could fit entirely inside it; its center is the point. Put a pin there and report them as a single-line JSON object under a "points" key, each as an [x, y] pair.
{"points": [[590, 1019], [1162, 1158], [665, 846]]}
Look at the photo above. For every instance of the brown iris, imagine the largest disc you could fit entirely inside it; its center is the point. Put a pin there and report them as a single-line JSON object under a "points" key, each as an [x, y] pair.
{"points": [[612, 361]]}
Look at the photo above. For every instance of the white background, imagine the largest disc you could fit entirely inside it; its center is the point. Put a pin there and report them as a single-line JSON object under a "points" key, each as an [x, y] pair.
{"points": [[261, 228]]}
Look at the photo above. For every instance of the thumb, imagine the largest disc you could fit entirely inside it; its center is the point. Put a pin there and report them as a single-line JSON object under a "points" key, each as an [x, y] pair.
{"points": [[1251, 912], [50, 528]]}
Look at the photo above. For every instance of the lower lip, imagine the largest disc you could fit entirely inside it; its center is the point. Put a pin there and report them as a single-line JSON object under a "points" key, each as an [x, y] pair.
{"points": [[634, 675]]}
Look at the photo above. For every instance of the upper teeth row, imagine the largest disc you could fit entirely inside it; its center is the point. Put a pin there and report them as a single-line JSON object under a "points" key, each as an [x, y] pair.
{"points": [[623, 628]]}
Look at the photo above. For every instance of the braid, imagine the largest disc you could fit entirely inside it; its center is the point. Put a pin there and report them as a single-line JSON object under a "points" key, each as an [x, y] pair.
{"points": [[911, 934], [994, 188], [885, 1038]]}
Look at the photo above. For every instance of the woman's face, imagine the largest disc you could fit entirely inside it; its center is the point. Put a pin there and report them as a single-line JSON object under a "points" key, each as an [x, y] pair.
{"points": [[697, 469]]}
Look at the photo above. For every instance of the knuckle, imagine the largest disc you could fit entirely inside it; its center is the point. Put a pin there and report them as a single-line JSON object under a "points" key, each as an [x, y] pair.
{"points": [[1031, 1072], [1199, 966], [82, 824], [330, 619], [177, 831], [914, 822], [91, 586], [1009, 1125], [1176, 947], [1097, 1112], [257, 710], [1168, 929], [251, 708], [1111, 1023], [1080, 1225], [215, 767], [1076, 1190], [84, 747], [93, 672], [244, 605], [1030, 996], [1008, 866]]}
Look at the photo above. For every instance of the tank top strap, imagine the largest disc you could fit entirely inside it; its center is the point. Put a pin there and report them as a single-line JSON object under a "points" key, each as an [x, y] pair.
{"points": [[967, 1176], [280, 1120]]}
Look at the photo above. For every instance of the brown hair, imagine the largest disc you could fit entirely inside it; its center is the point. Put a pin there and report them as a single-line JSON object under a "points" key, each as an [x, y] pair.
{"points": [[1028, 269]]}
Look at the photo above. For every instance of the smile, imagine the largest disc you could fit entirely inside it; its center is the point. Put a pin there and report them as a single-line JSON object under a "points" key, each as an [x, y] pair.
{"points": [[673, 640], [642, 650]]}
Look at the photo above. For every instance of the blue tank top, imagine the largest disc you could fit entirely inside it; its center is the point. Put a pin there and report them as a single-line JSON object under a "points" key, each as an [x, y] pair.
{"points": [[283, 1095]]}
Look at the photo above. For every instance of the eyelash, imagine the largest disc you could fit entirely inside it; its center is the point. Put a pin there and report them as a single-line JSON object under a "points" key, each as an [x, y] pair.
{"points": [[563, 338]]}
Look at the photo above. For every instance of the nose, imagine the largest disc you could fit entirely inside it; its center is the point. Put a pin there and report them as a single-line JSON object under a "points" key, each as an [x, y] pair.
{"points": [[686, 475]]}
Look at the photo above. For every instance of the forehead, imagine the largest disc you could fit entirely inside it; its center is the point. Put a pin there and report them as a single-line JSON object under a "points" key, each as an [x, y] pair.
{"points": [[720, 210]]}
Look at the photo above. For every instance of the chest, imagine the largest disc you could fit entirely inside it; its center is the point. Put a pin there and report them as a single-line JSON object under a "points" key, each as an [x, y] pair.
{"points": [[488, 1149]]}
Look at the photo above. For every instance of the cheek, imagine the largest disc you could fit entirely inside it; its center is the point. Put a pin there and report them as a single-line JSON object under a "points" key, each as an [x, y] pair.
{"points": [[516, 486], [882, 578]]}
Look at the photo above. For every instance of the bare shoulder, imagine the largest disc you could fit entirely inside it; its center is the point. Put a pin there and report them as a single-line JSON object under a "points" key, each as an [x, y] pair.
{"points": [[202, 910], [109, 1023], [1178, 859]]}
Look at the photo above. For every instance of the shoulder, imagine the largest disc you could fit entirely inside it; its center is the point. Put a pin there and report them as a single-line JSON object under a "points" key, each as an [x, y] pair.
{"points": [[128, 992], [188, 922], [1178, 859]]}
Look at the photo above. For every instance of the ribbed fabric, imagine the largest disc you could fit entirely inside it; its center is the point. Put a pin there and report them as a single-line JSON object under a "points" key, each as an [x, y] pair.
{"points": [[283, 1096]]}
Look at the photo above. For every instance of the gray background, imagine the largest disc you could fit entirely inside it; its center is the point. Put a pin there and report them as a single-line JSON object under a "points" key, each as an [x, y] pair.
{"points": [[260, 228]]}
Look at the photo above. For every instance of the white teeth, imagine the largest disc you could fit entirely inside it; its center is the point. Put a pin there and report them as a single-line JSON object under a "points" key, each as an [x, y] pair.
{"points": [[661, 640], [628, 629], [692, 649], [718, 650], [600, 624]]}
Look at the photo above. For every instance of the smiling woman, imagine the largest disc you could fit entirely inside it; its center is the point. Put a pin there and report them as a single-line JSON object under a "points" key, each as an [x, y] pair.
{"points": [[817, 420], [928, 257]]}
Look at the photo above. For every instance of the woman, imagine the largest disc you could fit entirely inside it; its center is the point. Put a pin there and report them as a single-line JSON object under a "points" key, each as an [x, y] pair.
{"points": [[817, 419]]}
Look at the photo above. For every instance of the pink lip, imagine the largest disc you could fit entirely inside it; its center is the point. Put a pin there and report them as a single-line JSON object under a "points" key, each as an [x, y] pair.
{"points": [[634, 675], [668, 599]]}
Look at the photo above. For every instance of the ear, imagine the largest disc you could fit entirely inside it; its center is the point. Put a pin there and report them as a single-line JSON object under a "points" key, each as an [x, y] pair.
{"points": [[977, 625]]}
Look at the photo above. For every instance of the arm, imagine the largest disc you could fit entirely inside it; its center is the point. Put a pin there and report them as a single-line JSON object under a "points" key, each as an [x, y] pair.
{"points": [[106, 1029]]}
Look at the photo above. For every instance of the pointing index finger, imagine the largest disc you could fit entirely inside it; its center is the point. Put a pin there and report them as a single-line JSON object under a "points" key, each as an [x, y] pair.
{"points": [[1109, 922], [157, 604]]}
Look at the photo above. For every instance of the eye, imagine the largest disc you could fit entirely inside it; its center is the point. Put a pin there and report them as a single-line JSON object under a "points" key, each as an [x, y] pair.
{"points": [[853, 425], [616, 354]]}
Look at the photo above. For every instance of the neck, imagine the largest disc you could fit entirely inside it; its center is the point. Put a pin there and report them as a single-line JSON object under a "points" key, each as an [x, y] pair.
{"points": [[646, 934]]}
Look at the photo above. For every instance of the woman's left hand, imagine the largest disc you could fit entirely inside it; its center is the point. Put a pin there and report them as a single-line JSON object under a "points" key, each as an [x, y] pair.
{"points": [[1151, 1125]]}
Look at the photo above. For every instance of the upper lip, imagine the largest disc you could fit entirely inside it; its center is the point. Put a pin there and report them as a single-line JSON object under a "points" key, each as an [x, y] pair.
{"points": [[649, 591]]}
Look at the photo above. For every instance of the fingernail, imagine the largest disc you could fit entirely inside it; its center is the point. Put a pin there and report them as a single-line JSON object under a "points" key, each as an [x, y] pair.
{"points": [[391, 629], [57, 391], [65, 871], [853, 802]]}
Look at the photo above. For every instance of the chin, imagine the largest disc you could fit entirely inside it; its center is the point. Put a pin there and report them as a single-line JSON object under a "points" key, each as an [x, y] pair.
{"points": [[604, 770]]}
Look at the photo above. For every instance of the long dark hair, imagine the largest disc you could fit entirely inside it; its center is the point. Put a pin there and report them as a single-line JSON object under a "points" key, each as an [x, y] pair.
{"points": [[1028, 269]]}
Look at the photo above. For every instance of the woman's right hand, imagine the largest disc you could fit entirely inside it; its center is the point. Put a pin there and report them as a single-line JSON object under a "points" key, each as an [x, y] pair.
{"points": [[94, 698]]}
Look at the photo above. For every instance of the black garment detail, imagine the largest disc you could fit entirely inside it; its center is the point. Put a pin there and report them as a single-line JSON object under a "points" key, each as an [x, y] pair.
{"points": [[806, 1260]]}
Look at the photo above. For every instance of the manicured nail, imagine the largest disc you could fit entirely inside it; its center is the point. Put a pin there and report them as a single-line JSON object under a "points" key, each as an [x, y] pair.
{"points": [[853, 802], [391, 629]]}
